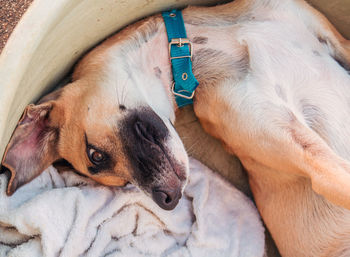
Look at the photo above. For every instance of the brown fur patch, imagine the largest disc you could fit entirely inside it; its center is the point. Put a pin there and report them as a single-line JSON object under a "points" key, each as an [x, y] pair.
{"points": [[157, 71], [211, 66], [200, 40]]}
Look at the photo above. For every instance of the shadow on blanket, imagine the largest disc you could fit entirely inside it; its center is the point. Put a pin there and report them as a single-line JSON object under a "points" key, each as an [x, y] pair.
{"points": [[67, 215]]}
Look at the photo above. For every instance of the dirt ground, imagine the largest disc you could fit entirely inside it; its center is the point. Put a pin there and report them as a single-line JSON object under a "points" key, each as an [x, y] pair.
{"points": [[10, 13]]}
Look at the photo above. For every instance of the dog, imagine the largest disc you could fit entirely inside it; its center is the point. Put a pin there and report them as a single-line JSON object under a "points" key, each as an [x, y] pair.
{"points": [[274, 87]]}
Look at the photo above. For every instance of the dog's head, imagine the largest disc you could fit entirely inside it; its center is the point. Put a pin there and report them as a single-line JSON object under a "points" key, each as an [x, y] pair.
{"points": [[111, 124]]}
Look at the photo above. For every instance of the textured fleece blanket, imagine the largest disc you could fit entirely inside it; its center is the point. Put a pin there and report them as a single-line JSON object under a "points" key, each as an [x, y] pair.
{"points": [[67, 215]]}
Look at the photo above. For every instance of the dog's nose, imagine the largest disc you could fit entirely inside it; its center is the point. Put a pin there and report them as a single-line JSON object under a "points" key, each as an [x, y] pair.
{"points": [[167, 199]]}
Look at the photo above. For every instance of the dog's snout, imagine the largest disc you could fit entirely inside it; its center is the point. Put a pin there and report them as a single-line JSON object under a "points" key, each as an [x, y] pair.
{"points": [[167, 199], [144, 131], [150, 149]]}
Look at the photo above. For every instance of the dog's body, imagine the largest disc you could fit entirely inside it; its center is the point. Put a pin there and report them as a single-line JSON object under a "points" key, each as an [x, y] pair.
{"points": [[273, 88]]}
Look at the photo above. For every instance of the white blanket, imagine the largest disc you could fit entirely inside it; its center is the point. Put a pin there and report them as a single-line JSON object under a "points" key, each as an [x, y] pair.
{"points": [[67, 215]]}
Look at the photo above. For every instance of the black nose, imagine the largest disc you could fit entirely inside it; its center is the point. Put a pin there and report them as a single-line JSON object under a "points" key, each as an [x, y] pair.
{"points": [[166, 199]]}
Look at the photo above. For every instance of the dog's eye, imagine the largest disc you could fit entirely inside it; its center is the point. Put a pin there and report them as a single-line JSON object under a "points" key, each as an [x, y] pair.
{"points": [[95, 156]]}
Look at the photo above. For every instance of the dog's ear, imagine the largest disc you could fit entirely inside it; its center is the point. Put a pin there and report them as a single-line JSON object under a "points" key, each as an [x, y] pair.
{"points": [[33, 145]]}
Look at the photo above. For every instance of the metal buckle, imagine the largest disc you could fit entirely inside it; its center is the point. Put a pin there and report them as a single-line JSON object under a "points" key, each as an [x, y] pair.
{"points": [[181, 95], [180, 42]]}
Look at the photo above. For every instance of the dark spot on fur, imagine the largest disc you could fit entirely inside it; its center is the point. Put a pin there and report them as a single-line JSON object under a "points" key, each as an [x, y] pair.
{"points": [[157, 71], [322, 40], [316, 53], [122, 107], [337, 56], [280, 92], [210, 66], [200, 40]]}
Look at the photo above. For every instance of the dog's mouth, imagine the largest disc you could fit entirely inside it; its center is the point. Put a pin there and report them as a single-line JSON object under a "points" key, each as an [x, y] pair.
{"points": [[155, 168]]}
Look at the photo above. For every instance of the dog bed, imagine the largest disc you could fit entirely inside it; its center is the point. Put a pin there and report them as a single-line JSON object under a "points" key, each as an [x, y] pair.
{"points": [[52, 35], [67, 215]]}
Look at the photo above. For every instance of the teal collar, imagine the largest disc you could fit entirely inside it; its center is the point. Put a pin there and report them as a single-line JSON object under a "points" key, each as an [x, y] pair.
{"points": [[180, 52]]}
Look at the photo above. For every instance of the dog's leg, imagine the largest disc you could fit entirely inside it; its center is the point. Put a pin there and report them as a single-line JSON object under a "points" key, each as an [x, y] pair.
{"points": [[263, 134], [326, 33]]}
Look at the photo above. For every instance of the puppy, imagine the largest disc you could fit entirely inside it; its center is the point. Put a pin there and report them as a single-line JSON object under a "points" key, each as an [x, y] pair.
{"points": [[274, 88]]}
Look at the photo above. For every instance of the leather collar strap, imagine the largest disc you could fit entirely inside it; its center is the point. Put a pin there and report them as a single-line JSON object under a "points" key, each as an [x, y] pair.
{"points": [[180, 52]]}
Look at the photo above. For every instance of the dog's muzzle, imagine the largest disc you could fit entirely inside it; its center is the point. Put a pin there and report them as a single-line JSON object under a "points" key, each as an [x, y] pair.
{"points": [[155, 168]]}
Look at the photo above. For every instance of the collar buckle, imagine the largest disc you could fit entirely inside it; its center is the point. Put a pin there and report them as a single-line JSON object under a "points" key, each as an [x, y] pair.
{"points": [[180, 42]]}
